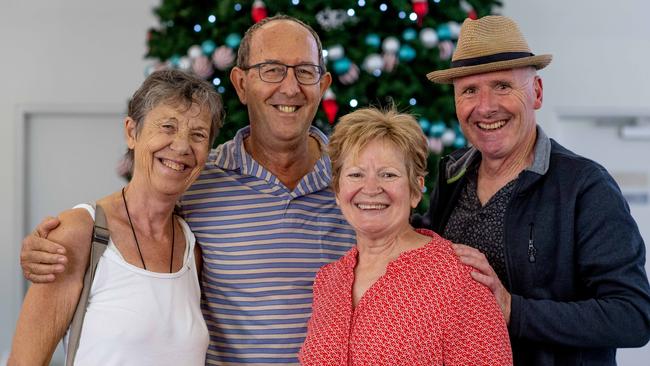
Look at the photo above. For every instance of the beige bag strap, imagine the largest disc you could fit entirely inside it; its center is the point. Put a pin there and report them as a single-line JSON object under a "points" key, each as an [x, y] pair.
{"points": [[97, 248]]}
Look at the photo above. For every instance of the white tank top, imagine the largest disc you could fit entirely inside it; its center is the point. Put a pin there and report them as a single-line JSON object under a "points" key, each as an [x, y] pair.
{"points": [[138, 317]]}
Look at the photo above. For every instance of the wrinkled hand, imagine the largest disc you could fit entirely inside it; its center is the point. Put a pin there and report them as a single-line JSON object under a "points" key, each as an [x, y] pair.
{"points": [[40, 258], [485, 275]]}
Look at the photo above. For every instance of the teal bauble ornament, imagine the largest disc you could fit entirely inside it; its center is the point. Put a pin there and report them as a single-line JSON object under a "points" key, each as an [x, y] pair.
{"points": [[409, 34], [459, 142], [175, 60], [406, 53], [444, 33], [437, 129], [341, 66], [373, 40], [232, 40], [208, 47], [425, 125]]}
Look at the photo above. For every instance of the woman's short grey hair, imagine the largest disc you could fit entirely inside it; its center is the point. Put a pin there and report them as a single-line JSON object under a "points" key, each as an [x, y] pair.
{"points": [[180, 89]]}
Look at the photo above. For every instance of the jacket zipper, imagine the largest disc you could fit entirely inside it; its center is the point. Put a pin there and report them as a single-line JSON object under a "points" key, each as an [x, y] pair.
{"points": [[531, 245]]}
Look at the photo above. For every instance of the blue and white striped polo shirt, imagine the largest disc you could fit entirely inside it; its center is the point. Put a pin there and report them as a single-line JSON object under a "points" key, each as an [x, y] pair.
{"points": [[262, 246]]}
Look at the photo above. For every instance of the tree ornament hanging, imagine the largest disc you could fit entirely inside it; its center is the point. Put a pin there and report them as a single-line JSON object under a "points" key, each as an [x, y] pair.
{"points": [[390, 46], [341, 65], [428, 37], [330, 107], [335, 52], [351, 75], [407, 53], [233, 40], [469, 9], [223, 57], [184, 63], [208, 47], [390, 61], [258, 12], [194, 51], [330, 19], [373, 63], [446, 49], [421, 8], [202, 67], [373, 40], [435, 145], [448, 137]]}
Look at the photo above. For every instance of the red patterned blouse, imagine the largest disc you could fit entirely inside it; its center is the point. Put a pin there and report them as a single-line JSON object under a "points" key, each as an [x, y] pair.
{"points": [[426, 310]]}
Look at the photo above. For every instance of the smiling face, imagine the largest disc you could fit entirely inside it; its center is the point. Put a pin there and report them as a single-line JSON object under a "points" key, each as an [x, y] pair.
{"points": [[280, 112], [496, 111], [171, 147], [374, 191]]}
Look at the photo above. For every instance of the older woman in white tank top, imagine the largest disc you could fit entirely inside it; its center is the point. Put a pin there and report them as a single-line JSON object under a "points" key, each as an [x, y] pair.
{"points": [[144, 303]]}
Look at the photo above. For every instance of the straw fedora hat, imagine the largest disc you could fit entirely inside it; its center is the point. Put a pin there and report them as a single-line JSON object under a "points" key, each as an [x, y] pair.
{"points": [[491, 43]]}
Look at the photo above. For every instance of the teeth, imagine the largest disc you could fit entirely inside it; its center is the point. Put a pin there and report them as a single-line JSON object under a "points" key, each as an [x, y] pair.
{"points": [[287, 108], [371, 206], [173, 165], [492, 126]]}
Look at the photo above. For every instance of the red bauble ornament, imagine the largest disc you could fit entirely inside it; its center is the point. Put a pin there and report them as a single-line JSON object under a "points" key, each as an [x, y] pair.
{"points": [[330, 107], [259, 11], [421, 8], [469, 9]]}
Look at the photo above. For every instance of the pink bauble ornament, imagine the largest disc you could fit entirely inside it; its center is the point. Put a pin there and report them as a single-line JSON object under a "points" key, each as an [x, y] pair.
{"points": [[223, 57], [202, 67], [435, 145], [335, 52], [390, 61], [372, 62], [446, 49], [350, 76]]}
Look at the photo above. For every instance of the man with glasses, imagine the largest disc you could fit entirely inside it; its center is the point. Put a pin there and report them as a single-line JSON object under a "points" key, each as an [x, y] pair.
{"points": [[262, 210]]}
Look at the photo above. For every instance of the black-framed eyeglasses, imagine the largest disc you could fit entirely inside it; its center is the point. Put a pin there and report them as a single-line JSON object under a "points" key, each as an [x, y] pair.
{"points": [[275, 72]]}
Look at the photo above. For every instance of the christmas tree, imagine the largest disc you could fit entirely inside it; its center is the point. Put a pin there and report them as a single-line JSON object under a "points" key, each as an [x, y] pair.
{"points": [[377, 51]]}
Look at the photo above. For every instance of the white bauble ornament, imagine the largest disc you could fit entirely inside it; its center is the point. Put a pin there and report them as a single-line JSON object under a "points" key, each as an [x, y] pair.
{"points": [[335, 52], [390, 45], [448, 137], [195, 51], [428, 37], [184, 63], [372, 63]]}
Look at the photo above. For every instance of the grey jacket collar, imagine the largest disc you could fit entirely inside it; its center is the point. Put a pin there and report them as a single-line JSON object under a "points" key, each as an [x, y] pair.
{"points": [[457, 167]]}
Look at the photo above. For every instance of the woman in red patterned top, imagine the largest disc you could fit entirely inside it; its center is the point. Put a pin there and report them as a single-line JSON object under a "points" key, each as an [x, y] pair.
{"points": [[400, 297]]}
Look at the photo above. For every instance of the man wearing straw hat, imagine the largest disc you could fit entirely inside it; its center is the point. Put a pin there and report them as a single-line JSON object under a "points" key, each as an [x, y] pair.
{"points": [[546, 230]]}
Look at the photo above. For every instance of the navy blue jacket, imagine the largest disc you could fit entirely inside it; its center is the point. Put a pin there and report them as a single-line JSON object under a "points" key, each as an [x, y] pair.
{"points": [[574, 257]]}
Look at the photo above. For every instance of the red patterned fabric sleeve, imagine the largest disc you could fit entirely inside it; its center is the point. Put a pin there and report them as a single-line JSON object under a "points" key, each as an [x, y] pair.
{"points": [[475, 330]]}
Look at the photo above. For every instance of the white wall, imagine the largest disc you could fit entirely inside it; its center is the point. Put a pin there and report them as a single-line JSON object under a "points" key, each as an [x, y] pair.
{"points": [[59, 53], [600, 49], [90, 52]]}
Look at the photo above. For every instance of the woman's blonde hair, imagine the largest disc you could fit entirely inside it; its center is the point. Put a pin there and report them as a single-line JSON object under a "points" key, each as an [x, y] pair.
{"points": [[355, 130]]}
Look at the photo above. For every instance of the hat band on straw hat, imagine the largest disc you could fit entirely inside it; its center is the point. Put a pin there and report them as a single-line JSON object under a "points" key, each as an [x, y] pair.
{"points": [[504, 56]]}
